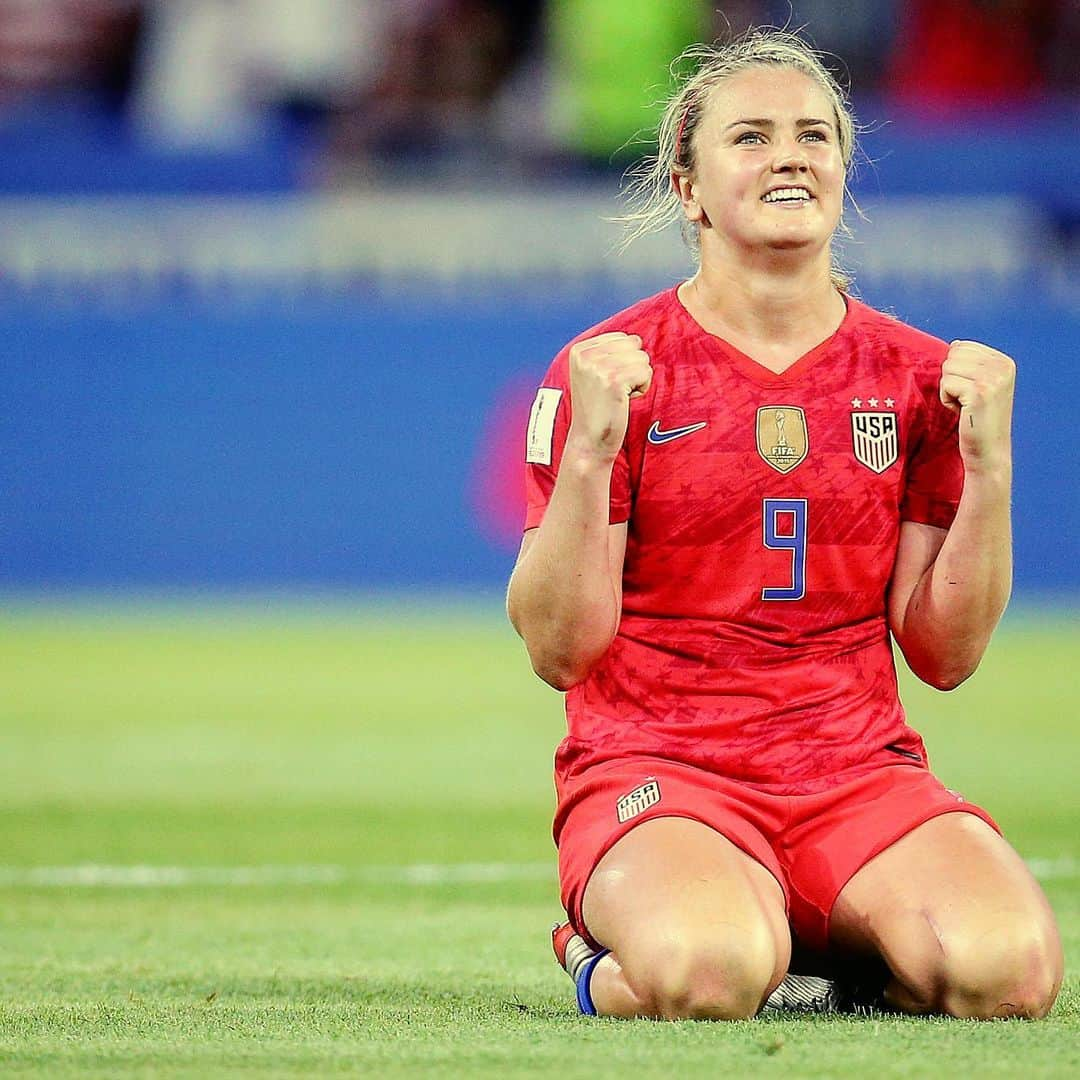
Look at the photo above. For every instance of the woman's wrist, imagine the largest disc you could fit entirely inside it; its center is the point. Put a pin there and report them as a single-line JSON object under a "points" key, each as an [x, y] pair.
{"points": [[582, 454]]}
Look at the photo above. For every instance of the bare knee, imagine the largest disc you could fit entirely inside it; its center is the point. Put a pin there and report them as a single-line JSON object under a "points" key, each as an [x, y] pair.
{"points": [[705, 977], [1013, 970], [1016, 973]]}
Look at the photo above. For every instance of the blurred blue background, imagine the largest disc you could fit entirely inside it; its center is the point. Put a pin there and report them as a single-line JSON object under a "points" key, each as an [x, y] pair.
{"points": [[277, 281]]}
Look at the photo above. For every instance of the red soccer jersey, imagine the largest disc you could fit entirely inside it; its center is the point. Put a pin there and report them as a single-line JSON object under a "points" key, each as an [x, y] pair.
{"points": [[763, 514]]}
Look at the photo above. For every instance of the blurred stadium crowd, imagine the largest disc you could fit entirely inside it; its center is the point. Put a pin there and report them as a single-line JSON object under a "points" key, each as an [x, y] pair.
{"points": [[534, 84], [283, 273]]}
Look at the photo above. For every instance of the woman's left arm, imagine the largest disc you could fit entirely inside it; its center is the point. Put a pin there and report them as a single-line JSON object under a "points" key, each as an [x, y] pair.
{"points": [[950, 587]]}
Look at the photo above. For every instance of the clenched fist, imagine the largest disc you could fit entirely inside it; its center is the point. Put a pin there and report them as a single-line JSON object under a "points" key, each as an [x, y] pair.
{"points": [[977, 382], [605, 373]]}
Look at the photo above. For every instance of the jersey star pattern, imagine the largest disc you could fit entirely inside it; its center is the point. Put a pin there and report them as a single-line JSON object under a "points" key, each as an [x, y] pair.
{"points": [[763, 513]]}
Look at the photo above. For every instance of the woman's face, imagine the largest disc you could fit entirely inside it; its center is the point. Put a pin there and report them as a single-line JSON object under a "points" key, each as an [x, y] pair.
{"points": [[768, 171]]}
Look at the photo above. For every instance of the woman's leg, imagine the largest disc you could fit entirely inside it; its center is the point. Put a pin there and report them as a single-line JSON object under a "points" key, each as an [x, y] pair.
{"points": [[697, 929], [956, 915]]}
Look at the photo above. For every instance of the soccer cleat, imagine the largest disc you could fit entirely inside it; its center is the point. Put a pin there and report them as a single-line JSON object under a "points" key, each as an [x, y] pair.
{"points": [[805, 994], [813, 994], [863, 998]]}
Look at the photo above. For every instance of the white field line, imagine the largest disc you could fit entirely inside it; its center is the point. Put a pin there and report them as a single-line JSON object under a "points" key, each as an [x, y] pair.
{"points": [[92, 875], [1063, 868], [415, 874]]}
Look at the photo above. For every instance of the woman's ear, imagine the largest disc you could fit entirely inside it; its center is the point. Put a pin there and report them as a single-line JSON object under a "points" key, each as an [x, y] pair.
{"points": [[682, 184]]}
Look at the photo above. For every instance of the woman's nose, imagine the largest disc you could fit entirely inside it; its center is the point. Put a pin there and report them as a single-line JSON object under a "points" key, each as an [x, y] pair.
{"points": [[790, 157]]}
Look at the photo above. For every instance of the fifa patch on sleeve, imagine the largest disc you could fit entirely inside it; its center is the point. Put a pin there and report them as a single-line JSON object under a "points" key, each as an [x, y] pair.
{"points": [[639, 800], [542, 426]]}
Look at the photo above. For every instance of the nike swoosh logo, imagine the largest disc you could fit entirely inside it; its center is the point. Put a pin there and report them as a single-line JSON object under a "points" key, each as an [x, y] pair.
{"points": [[658, 437]]}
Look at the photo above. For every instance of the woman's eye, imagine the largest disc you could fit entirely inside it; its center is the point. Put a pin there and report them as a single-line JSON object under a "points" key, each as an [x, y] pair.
{"points": [[750, 136], [814, 136]]}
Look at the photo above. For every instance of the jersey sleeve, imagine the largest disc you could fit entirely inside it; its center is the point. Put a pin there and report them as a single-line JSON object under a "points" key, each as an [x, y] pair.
{"points": [[545, 439], [935, 470]]}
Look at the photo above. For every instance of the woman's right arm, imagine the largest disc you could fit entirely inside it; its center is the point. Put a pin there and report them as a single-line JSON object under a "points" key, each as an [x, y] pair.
{"points": [[565, 594]]}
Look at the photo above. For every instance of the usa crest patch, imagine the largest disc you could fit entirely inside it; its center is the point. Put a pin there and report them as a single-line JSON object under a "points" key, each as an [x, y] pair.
{"points": [[639, 800], [875, 439]]}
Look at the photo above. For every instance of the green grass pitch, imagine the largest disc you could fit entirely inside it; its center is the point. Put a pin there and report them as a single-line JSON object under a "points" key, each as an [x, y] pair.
{"points": [[285, 839]]}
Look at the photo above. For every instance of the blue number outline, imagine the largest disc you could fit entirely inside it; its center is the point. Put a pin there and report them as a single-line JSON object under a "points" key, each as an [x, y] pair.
{"points": [[796, 544]]}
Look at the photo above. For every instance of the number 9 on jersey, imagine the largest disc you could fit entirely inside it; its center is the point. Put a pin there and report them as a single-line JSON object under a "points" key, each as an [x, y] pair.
{"points": [[784, 529]]}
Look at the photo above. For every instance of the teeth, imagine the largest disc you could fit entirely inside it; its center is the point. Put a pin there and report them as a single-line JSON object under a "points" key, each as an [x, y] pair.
{"points": [[787, 193]]}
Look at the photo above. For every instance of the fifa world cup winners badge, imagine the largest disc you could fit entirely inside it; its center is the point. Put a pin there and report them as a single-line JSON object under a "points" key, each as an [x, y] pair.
{"points": [[781, 436]]}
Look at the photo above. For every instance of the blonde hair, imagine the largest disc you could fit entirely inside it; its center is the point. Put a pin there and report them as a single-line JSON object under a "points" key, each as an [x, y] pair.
{"points": [[654, 204]]}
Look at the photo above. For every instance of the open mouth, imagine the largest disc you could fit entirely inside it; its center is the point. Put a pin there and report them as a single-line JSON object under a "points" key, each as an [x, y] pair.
{"points": [[787, 195]]}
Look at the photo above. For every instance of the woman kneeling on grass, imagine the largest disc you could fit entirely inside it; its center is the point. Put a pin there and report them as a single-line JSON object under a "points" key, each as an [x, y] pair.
{"points": [[738, 489]]}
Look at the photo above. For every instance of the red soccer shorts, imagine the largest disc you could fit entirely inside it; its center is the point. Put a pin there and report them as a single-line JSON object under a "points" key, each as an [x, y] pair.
{"points": [[812, 843]]}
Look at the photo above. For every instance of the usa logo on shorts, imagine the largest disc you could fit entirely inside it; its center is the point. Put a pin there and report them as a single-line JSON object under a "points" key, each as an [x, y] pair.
{"points": [[639, 800]]}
